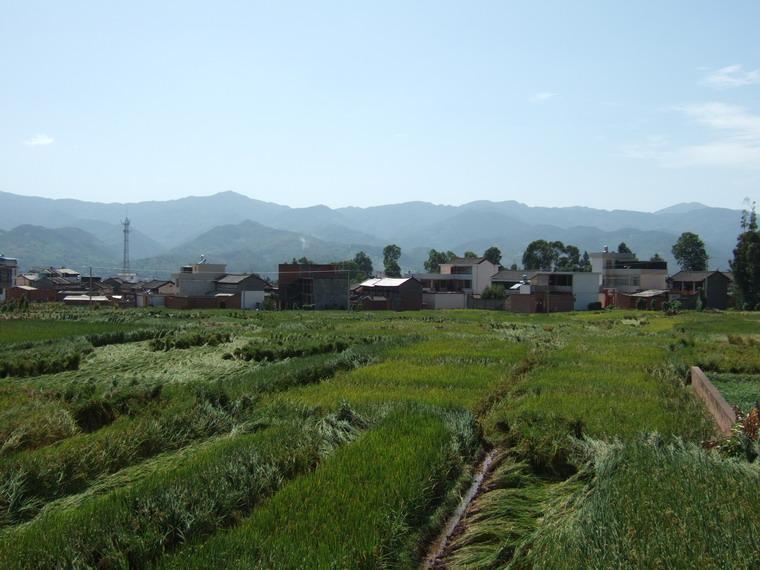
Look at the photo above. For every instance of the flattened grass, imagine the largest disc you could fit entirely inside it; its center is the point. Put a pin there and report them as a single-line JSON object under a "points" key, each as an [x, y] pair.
{"points": [[360, 509], [652, 505]]}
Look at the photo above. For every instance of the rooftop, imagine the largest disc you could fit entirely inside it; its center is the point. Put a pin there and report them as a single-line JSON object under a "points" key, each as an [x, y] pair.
{"points": [[695, 276], [385, 282]]}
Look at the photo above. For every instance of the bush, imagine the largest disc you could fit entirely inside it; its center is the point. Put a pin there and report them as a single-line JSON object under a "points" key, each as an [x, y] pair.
{"points": [[595, 306], [188, 340]]}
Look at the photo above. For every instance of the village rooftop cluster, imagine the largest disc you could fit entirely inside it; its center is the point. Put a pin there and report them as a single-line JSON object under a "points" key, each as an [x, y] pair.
{"points": [[616, 279]]}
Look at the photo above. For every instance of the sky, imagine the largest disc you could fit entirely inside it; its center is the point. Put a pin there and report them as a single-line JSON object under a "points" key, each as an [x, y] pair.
{"points": [[635, 105]]}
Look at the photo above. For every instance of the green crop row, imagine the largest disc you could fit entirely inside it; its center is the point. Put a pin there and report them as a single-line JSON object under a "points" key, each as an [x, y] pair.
{"points": [[189, 339], [212, 489], [367, 506]]}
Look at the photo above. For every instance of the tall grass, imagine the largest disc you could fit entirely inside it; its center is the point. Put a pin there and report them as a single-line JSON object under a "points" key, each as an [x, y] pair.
{"points": [[212, 489], [652, 504], [363, 508]]}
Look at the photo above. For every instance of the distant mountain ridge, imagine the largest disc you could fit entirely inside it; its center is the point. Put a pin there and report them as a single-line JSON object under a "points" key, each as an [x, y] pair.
{"points": [[252, 234]]}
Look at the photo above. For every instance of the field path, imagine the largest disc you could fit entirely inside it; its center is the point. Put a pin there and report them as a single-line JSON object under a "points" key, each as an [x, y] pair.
{"points": [[437, 550]]}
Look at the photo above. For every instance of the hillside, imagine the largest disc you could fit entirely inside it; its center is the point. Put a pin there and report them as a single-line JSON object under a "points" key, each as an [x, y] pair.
{"points": [[250, 233]]}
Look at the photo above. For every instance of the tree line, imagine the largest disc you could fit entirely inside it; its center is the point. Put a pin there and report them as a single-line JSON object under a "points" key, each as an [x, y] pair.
{"points": [[544, 255]]}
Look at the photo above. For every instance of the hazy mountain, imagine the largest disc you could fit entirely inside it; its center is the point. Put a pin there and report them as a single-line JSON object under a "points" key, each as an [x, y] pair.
{"points": [[37, 246], [250, 246], [178, 231]]}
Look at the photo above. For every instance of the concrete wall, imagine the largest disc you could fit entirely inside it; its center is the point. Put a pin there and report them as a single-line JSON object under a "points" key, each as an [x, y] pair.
{"points": [[444, 300], [653, 279], [716, 404], [585, 289], [250, 299]]}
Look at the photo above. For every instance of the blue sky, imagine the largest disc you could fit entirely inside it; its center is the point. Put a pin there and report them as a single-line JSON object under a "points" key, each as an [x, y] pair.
{"points": [[607, 104]]}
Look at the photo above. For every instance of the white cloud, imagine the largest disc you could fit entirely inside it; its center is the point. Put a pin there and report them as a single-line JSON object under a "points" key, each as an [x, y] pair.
{"points": [[732, 76], [542, 97], [735, 140], [39, 140]]}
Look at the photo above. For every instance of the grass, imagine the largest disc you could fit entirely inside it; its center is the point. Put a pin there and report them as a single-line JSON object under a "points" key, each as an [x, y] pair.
{"points": [[345, 437], [656, 505], [376, 491], [17, 331], [742, 390]]}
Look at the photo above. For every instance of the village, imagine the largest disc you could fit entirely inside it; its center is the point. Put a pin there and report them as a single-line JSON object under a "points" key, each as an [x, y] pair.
{"points": [[615, 279]]}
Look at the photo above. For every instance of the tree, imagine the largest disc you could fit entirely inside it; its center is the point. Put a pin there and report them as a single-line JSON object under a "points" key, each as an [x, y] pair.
{"points": [[436, 258], [656, 257], [470, 255], [540, 254], [513, 267], [493, 254], [585, 264], [690, 253], [746, 263], [302, 261], [554, 256], [494, 291], [622, 248], [364, 263], [391, 255]]}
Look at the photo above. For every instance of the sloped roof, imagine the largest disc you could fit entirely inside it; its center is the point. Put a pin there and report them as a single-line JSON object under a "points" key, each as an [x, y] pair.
{"points": [[155, 284], [466, 261], [512, 275], [386, 282], [695, 276], [235, 278]]}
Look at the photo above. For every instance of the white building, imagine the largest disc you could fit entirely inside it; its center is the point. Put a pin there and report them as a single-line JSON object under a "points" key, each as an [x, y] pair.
{"points": [[623, 273], [8, 269]]}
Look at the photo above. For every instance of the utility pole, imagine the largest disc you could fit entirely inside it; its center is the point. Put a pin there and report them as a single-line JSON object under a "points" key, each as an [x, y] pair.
{"points": [[90, 287]]}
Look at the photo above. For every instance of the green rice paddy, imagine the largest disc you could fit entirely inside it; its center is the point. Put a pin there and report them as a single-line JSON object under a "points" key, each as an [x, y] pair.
{"points": [[344, 440]]}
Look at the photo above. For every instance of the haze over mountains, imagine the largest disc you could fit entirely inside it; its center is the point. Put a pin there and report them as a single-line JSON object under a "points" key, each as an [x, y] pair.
{"points": [[254, 235]]}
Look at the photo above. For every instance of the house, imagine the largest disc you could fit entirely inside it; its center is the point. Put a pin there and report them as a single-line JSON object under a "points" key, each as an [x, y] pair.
{"points": [[711, 286], [313, 285], [623, 274], [198, 279], [208, 286], [251, 288], [456, 282], [153, 293], [8, 269], [31, 294], [395, 294], [550, 291]]}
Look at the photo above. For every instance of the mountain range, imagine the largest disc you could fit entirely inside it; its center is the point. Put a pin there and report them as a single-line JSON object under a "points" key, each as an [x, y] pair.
{"points": [[255, 235]]}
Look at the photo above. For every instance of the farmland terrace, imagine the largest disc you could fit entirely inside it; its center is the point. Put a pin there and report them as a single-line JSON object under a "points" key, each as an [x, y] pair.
{"points": [[152, 438]]}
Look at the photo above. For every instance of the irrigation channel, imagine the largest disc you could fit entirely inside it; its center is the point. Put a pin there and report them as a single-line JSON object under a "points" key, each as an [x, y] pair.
{"points": [[437, 549]]}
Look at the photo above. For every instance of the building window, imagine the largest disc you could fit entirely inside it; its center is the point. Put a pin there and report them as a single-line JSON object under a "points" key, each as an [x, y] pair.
{"points": [[559, 280]]}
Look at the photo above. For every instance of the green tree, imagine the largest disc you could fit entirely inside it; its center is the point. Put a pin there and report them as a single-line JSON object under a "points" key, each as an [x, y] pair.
{"points": [[470, 255], [585, 264], [494, 291], [513, 267], [656, 257], [493, 254], [623, 248], [391, 255], [364, 263], [746, 262], [690, 253], [436, 258], [540, 254]]}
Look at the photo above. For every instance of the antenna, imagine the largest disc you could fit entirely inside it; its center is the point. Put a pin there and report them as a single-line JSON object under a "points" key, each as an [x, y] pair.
{"points": [[125, 260]]}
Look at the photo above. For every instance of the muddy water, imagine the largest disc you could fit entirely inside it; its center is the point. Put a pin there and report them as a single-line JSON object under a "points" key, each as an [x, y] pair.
{"points": [[438, 547]]}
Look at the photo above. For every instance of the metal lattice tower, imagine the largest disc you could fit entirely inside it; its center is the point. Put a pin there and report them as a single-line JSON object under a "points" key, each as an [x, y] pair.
{"points": [[125, 260]]}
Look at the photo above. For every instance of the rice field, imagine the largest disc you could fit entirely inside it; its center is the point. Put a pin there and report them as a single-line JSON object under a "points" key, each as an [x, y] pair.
{"points": [[330, 439]]}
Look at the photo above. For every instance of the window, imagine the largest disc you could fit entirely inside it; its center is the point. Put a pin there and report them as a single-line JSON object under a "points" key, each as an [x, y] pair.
{"points": [[559, 280]]}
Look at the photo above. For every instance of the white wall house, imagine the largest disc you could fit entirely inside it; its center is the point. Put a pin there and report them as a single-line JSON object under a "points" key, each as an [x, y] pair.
{"points": [[477, 272], [8, 269], [626, 274]]}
